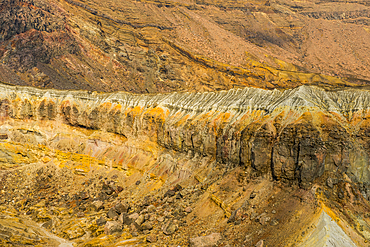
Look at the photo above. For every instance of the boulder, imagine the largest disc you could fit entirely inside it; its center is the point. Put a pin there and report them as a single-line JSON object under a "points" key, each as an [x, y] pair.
{"points": [[121, 208], [134, 216], [139, 220], [3, 136], [206, 241], [188, 210], [107, 189], [112, 213], [151, 238], [124, 219], [146, 226], [169, 228], [97, 205], [112, 227], [101, 221], [259, 243]]}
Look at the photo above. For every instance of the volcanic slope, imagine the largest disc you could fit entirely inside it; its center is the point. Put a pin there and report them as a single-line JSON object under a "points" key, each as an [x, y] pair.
{"points": [[167, 46], [237, 167]]}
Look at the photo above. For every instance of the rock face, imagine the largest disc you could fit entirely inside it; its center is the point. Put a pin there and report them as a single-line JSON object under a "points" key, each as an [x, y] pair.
{"points": [[292, 135], [118, 169], [151, 47]]}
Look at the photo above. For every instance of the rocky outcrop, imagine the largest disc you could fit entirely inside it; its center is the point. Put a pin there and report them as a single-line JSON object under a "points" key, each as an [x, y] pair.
{"points": [[19, 16], [293, 135]]}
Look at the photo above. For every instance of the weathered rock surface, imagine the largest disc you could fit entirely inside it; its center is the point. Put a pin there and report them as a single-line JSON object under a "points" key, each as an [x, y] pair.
{"points": [[293, 135], [47, 178], [151, 238], [206, 241], [327, 233], [18, 231], [112, 227], [169, 228], [114, 169]]}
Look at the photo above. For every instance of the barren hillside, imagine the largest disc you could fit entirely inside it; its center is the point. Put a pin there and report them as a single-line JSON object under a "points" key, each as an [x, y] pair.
{"points": [[166, 46]]}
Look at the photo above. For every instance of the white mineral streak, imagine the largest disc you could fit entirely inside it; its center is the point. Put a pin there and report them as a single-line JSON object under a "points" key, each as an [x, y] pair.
{"points": [[327, 234], [234, 100]]}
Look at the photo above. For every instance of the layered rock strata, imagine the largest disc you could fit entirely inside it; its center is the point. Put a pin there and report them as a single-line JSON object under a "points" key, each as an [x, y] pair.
{"points": [[294, 135]]}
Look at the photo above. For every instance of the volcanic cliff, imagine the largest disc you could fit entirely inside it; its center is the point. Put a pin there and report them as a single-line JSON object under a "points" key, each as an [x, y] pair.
{"points": [[184, 123], [189, 164]]}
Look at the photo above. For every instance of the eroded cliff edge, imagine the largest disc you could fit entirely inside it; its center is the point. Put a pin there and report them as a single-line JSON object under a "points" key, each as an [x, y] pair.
{"points": [[295, 135]]}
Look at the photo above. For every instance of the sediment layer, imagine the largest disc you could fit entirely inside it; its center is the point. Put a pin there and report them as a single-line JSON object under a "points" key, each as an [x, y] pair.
{"points": [[171, 46], [292, 135]]}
